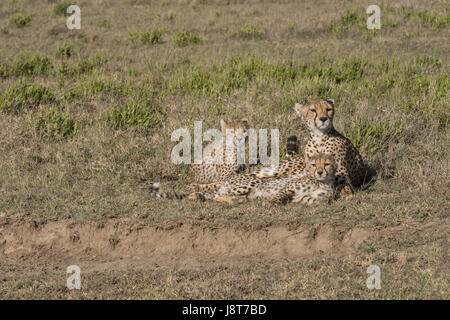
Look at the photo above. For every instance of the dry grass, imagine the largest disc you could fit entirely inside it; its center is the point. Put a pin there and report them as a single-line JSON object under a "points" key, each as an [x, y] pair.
{"points": [[86, 117]]}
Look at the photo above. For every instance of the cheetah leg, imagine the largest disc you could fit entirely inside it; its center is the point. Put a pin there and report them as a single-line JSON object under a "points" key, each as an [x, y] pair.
{"points": [[346, 192], [306, 199], [282, 197], [231, 199], [196, 196]]}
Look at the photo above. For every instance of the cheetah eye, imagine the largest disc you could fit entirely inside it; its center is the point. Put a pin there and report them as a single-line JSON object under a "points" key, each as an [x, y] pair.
{"points": [[312, 110], [313, 164]]}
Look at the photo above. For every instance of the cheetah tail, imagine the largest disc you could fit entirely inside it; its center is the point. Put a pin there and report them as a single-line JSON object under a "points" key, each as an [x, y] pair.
{"points": [[156, 192], [291, 145]]}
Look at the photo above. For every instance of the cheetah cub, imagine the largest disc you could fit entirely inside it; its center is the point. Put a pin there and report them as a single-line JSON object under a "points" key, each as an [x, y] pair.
{"points": [[211, 170], [316, 184]]}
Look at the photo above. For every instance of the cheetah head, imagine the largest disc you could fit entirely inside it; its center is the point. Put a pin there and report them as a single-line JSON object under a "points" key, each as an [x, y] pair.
{"points": [[239, 129], [318, 116], [322, 166]]}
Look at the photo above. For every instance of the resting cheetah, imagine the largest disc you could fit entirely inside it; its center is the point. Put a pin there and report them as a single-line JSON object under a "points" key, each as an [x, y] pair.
{"points": [[315, 184], [318, 116], [233, 188], [209, 171]]}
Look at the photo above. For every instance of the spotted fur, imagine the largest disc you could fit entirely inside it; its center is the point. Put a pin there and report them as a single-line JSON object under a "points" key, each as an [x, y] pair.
{"points": [[213, 171], [317, 185], [323, 138], [314, 184]]}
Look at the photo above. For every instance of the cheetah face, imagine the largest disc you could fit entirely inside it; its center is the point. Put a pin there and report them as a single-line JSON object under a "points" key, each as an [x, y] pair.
{"points": [[318, 116], [239, 130], [322, 166]]}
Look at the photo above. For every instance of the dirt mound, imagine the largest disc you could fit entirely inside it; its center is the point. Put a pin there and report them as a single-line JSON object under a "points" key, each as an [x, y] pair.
{"points": [[124, 243]]}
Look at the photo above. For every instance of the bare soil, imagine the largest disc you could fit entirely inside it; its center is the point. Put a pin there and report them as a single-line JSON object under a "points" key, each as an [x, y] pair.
{"points": [[118, 244]]}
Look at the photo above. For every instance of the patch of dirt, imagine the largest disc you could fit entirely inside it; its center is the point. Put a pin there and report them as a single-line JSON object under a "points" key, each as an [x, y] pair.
{"points": [[126, 243]]}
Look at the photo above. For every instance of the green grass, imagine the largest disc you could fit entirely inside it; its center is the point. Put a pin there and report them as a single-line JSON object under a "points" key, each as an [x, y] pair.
{"points": [[31, 64], [392, 18], [246, 32], [81, 65], [350, 18], [28, 65], [373, 138], [61, 8], [104, 24], [184, 38], [426, 18], [19, 20], [146, 36], [19, 97], [138, 112], [4, 70], [65, 50], [51, 124], [93, 86]]}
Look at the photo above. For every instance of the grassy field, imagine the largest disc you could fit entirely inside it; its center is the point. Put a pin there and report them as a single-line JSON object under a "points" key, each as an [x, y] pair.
{"points": [[86, 118]]}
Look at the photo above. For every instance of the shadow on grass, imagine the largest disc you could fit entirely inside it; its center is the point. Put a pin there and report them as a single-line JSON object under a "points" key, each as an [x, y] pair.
{"points": [[369, 179]]}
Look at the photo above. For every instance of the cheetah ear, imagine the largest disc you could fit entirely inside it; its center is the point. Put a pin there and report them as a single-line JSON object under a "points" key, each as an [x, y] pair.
{"points": [[245, 122], [223, 125], [298, 108], [330, 101]]}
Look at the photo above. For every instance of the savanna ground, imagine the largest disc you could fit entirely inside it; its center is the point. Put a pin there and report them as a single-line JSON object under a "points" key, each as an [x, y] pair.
{"points": [[86, 118]]}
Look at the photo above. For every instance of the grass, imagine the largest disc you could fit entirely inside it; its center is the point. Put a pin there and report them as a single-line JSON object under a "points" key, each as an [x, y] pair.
{"points": [[65, 50], [28, 64], [373, 138], [184, 38], [61, 8], [87, 120], [24, 96], [19, 20], [52, 125], [392, 18], [95, 86], [132, 114], [81, 65], [246, 32], [146, 36]]}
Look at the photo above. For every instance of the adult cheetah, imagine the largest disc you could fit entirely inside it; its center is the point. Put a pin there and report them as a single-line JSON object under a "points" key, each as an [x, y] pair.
{"points": [[323, 138]]}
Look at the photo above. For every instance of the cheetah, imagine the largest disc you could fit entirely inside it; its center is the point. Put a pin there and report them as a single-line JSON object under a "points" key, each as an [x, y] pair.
{"points": [[234, 188], [210, 170], [316, 184], [323, 137]]}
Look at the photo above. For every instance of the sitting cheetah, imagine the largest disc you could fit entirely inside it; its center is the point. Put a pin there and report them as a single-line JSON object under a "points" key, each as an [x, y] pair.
{"points": [[314, 184], [209, 171], [318, 116]]}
